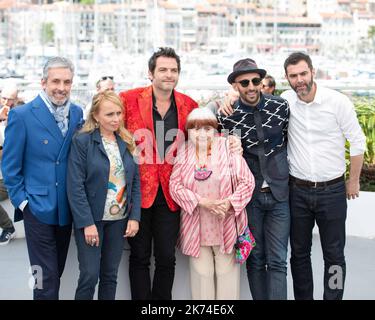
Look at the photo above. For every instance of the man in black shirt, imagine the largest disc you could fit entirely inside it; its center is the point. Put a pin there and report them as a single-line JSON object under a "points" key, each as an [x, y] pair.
{"points": [[156, 115]]}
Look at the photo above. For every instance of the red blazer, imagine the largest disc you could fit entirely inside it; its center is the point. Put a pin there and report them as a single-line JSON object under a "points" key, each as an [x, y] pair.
{"points": [[137, 116]]}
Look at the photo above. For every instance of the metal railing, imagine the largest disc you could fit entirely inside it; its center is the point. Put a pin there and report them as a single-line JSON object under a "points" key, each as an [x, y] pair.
{"points": [[83, 92]]}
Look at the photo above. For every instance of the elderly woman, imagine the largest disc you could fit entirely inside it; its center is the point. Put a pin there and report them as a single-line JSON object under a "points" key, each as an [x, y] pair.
{"points": [[201, 184], [104, 195]]}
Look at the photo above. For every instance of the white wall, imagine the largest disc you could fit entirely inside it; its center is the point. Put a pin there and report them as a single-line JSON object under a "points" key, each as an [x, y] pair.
{"points": [[361, 216], [360, 220]]}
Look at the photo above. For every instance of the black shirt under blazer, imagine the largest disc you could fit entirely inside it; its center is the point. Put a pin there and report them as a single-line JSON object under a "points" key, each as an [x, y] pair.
{"points": [[87, 179]]}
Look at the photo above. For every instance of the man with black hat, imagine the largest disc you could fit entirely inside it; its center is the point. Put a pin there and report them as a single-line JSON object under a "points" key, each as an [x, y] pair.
{"points": [[261, 121]]}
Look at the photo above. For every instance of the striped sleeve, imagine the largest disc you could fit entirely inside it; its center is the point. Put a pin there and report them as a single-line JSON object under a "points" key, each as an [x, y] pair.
{"points": [[184, 197], [245, 184]]}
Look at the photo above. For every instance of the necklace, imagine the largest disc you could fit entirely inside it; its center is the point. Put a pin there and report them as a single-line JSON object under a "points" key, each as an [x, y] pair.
{"points": [[201, 171], [110, 139]]}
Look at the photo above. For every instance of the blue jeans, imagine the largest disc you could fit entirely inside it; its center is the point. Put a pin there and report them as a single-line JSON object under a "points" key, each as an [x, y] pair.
{"points": [[100, 262], [269, 222], [327, 206]]}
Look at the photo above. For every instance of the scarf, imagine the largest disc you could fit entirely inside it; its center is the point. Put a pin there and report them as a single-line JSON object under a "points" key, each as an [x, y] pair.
{"points": [[60, 113]]}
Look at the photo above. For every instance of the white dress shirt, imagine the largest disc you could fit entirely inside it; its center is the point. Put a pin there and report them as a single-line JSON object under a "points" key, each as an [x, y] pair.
{"points": [[317, 134]]}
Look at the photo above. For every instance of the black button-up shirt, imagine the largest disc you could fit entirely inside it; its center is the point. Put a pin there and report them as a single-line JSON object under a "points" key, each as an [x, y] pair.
{"points": [[163, 125], [164, 138]]}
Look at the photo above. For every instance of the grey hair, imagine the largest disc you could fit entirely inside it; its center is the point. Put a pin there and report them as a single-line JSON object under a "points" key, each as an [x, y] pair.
{"points": [[202, 113], [57, 62]]}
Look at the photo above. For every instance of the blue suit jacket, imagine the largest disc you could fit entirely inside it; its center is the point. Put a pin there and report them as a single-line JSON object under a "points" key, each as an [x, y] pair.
{"points": [[34, 161], [87, 179]]}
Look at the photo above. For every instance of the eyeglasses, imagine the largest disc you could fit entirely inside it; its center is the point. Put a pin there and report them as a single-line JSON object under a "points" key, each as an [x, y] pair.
{"points": [[8, 99], [106, 77], [245, 83]]}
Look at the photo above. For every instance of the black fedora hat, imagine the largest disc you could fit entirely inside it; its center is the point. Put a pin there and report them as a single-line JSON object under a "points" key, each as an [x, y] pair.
{"points": [[245, 66]]}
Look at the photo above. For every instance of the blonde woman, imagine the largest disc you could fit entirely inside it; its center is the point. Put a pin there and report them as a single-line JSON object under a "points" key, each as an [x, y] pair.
{"points": [[104, 195], [210, 208]]}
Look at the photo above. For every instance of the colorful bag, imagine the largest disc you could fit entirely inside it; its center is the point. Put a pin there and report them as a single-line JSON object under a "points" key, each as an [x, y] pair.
{"points": [[244, 245], [245, 242]]}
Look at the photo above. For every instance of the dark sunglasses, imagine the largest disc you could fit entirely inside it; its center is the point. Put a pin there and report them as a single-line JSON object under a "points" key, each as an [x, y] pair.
{"points": [[106, 77], [245, 83]]}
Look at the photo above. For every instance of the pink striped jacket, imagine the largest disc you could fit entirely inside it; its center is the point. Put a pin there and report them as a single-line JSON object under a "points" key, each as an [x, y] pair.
{"points": [[183, 192]]}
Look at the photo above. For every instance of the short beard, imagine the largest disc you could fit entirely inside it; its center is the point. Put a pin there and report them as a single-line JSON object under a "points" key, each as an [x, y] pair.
{"points": [[306, 92], [59, 103], [252, 104]]}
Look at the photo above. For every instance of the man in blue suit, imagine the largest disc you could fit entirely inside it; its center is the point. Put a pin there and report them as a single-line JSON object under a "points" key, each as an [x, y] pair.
{"points": [[37, 143]]}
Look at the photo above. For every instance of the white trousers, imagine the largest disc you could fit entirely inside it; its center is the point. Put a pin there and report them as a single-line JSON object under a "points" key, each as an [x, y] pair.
{"points": [[214, 275]]}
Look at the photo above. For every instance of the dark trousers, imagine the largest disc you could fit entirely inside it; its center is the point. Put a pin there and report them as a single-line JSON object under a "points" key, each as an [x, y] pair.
{"points": [[160, 225], [5, 222], [327, 206], [48, 248], [100, 262]]}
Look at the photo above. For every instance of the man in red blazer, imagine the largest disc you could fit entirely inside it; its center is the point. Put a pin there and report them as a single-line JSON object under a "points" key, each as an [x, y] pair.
{"points": [[156, 115]]}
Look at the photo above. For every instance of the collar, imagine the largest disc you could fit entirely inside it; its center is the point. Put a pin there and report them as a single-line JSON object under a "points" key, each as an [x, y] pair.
{"points": [[51, 106], [317, 99], [173, 103], [120, 142]]}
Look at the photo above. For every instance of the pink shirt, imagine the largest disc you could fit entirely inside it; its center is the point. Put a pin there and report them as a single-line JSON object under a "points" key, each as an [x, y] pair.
{"points": [[209, 223]]}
